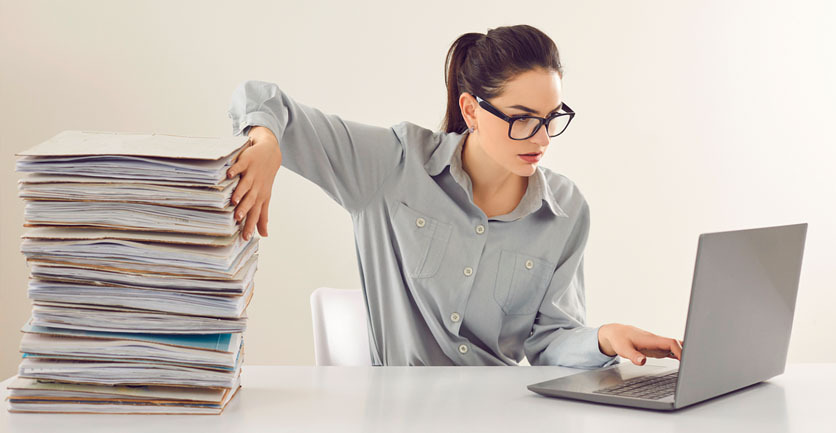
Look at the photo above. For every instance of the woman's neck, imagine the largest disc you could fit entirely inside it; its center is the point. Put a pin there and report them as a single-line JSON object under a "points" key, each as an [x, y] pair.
{"points": [[495, 190]]}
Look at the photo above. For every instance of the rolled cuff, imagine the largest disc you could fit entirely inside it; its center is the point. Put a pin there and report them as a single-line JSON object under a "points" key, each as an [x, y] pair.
{"points": [[256, 118]]}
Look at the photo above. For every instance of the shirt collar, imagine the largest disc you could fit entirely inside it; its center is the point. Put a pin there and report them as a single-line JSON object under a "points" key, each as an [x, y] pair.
{"points": [[448, 153]]}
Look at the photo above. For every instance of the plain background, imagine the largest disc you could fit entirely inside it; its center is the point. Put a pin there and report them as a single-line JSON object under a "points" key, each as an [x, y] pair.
{"points": [[692, 117]]}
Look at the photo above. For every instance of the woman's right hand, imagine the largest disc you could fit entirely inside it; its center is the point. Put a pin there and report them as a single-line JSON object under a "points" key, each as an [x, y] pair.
{"points": [[636, 344], [257, 164]]}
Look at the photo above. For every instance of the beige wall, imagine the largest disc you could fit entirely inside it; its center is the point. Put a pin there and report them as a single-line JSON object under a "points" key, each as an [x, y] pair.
{"points": [[692, 118]]}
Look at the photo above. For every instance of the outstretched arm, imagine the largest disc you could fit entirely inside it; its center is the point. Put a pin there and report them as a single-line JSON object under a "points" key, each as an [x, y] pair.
{"points": [[348, 160]]}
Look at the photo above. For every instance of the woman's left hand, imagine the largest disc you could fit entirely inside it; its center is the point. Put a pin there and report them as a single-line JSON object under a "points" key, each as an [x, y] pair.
{"points": [[635, 344]]}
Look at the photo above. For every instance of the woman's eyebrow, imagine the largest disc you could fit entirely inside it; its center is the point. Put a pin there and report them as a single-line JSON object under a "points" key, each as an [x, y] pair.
{"points": [[530, 111]]}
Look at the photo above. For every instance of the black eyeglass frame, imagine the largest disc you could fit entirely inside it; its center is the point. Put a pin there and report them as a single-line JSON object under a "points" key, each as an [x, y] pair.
{"points": [[542, 120]]}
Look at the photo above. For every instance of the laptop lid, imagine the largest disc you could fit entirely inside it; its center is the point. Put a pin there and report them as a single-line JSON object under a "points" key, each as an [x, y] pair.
{"points": [[741, 310]]}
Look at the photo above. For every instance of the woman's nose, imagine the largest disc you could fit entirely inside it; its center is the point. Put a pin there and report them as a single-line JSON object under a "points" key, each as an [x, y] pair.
{"points": [[541, 137]]}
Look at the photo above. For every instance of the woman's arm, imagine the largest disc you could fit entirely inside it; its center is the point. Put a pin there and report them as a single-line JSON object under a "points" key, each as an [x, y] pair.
{"points": [[348, 160], [560, 335]]}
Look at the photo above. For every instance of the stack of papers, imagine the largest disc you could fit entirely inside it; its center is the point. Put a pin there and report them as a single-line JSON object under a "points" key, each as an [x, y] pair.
{"points": [[27, 396], [139, 276]]}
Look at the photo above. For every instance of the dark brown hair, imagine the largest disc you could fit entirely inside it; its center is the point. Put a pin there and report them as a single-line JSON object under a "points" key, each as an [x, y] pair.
{"points": [[481, 64]]}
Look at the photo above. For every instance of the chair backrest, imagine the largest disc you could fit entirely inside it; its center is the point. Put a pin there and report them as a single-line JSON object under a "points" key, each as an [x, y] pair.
{"points": [[340, 327]]}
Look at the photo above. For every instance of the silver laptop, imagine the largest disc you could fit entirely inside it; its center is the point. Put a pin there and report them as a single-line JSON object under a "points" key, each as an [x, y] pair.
{"points": [[737, 331]]}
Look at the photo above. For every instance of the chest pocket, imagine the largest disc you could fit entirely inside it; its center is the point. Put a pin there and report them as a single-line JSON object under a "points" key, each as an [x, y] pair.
{"points": [[521, 282], [422, 240]]}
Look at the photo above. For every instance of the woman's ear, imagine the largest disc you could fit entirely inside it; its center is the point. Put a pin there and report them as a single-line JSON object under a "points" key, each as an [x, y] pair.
{"points": [[468, 104]]}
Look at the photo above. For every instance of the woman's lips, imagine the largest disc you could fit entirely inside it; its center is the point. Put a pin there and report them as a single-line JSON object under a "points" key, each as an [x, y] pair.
{"points": [[531, 158]]}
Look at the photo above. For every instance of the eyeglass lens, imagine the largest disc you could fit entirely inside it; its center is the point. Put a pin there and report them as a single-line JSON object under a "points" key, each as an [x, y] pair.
{"points": [[525, 127]]}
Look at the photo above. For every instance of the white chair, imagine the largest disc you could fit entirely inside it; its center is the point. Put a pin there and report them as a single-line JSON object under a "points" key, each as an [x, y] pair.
{"points": [[340, 327]]}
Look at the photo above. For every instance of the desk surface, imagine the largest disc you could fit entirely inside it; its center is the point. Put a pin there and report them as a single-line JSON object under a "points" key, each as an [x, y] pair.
{"points": [[395, 399]]}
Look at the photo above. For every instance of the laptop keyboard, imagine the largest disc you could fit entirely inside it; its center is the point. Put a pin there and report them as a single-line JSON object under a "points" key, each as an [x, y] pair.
{"points": [[647, 387]]}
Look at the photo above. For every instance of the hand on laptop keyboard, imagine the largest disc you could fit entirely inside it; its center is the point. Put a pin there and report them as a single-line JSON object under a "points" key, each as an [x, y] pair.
{"points": [[636, 344]]}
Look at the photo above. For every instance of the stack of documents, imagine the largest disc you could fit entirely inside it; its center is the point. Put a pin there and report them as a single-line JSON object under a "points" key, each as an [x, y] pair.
{"points": [[139, 276]]}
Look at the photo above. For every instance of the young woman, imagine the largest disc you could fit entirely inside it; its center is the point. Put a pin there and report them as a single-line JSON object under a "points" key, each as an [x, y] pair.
{"points": [[469, 252]]}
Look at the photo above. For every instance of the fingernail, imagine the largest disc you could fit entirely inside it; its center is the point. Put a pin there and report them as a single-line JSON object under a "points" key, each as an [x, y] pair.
{"points": [[238, 216], [641, 359], [247, 236]]}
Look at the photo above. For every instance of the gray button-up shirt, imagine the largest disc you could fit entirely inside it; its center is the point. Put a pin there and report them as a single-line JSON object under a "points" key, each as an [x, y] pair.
{"points": [[443, 283]]}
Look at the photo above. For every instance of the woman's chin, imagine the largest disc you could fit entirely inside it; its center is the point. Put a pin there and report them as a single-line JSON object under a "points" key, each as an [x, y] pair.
{"points": [[525, 169]]}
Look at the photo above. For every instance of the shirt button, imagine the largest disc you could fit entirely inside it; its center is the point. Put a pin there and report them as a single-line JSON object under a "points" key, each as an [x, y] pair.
{"points": [[420, 222], [463, 349], [529, 264], [455, 317], [468, 271], [480, 229]]}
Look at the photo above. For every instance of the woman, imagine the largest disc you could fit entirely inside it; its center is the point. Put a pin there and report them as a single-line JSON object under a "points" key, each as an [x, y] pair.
{"points": [[469, 252]]}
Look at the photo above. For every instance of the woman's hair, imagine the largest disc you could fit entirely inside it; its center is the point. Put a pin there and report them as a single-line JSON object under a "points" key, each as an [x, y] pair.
{"points": [[481, 64]]}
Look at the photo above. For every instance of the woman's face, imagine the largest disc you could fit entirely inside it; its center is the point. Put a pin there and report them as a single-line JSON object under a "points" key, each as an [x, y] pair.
{"points": [[536, 92]]}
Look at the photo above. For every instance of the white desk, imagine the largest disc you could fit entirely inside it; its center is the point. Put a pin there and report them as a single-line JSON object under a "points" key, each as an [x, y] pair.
{"points": [[459, 399]]}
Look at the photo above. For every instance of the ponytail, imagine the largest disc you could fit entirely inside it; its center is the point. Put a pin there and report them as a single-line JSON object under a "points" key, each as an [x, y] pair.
{"points": [[456, 55], [481, 64]]}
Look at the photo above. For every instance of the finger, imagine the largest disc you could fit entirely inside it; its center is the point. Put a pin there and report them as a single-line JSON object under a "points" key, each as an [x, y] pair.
{"points": [[242, 188], [656, 353], [252, 217], [632, 354], [667, 348], [246, 205], [660, 347], [676, 348], [239, 166], [262, 220]]}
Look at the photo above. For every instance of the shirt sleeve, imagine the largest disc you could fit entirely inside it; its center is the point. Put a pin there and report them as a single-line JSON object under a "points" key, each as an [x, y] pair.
{"points": [[350, 161], [559, 335]]}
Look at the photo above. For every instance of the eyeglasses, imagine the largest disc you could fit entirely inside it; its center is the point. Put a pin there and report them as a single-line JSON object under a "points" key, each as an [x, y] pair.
{"points": [[523, 127]]}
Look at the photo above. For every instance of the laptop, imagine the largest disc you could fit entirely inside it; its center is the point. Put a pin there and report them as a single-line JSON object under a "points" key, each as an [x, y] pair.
{"points": [[736, 335]]}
